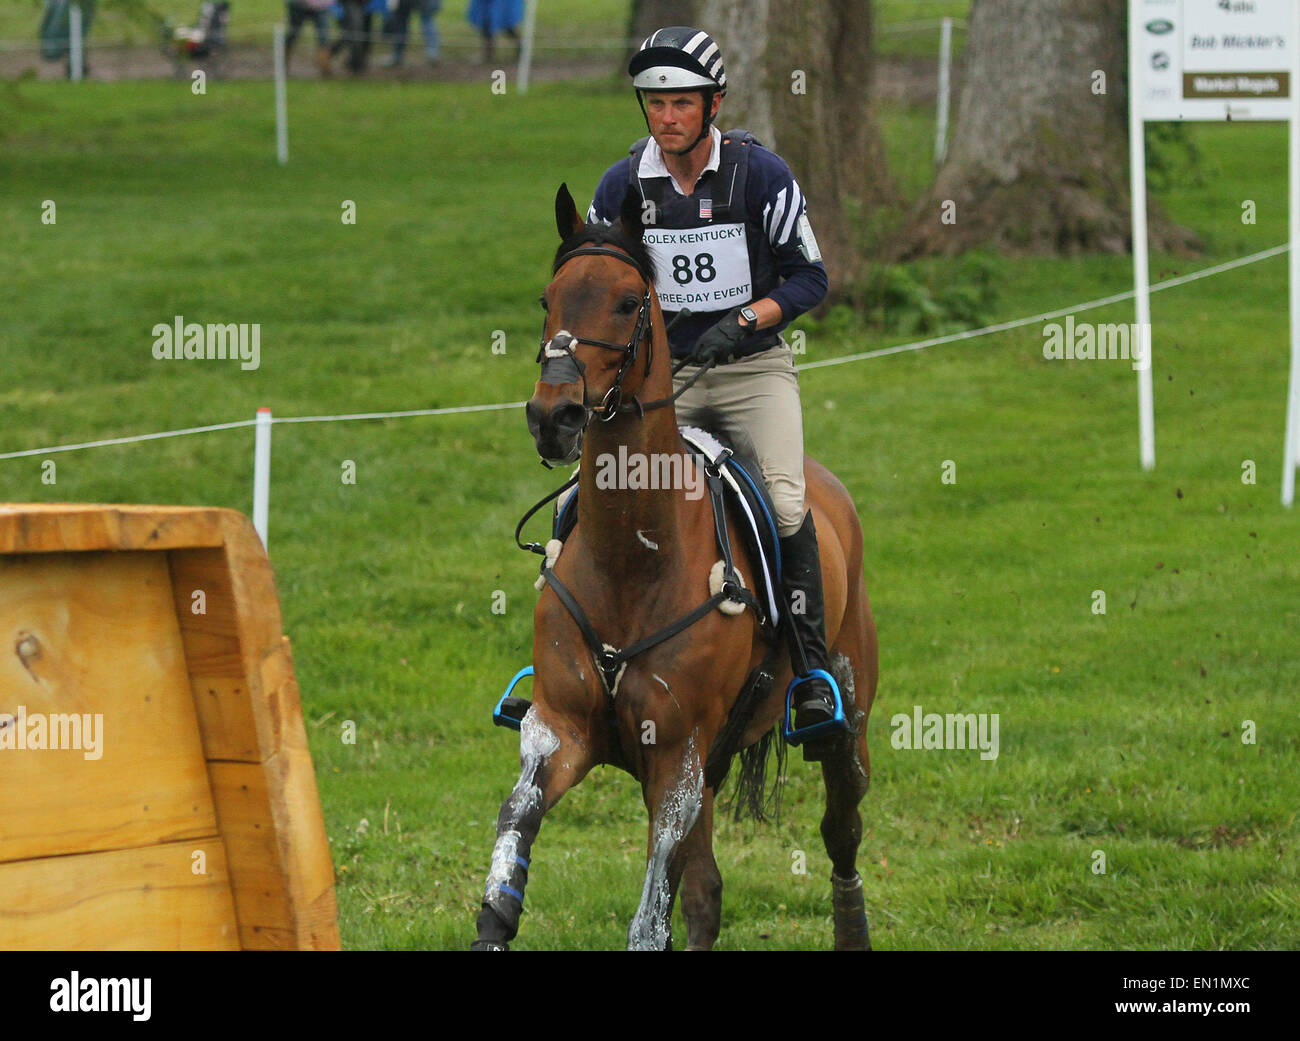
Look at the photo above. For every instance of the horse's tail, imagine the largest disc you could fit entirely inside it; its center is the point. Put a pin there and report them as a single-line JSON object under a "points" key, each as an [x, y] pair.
{"points": [[753, 798]]}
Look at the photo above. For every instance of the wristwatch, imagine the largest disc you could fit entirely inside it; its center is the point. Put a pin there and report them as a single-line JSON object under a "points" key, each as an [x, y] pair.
{"points": [[750, 316]]}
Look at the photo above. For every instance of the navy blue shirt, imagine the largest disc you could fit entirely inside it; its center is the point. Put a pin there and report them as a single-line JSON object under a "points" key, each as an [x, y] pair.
{"points": [[775, 220]]}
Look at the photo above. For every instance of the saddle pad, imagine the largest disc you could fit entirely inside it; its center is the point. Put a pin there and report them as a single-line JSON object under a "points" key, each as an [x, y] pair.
{"points": [[750, 492]]}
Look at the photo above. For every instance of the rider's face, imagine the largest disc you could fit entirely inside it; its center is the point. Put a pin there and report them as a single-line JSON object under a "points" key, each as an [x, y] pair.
{"points": [[677, 119]]}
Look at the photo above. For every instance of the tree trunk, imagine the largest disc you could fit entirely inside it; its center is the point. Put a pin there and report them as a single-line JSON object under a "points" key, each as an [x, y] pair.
{"points": [[649, 15], [799, 77], [1039, 157]]}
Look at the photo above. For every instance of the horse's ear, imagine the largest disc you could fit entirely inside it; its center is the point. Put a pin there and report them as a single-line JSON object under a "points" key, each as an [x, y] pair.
{"points": [[567, 220], [629, 215]]}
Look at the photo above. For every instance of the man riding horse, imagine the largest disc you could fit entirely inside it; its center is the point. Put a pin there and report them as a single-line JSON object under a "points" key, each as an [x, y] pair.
{"points": [[680, 683], [727, 226]]}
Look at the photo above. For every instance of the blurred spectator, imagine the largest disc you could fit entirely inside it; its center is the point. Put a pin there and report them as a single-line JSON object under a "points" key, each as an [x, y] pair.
{"points": [[317, 12], [429, 28], [56, 31], [355, 19], [490, 17], [400, 20]]}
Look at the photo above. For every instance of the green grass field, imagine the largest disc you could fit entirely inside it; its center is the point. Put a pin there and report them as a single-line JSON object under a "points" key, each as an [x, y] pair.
{"points": [[1120, 733]]}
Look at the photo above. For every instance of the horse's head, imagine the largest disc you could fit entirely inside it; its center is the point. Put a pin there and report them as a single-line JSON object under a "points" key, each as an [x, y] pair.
{"points": [[599, 308]]}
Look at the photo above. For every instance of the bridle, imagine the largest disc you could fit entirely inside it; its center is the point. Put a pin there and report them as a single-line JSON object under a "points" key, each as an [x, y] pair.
{"points": [[558, 356], [560, 347]]}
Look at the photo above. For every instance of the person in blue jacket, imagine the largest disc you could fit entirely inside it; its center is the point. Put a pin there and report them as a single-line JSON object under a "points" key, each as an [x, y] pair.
{"points": [[490, 17]]}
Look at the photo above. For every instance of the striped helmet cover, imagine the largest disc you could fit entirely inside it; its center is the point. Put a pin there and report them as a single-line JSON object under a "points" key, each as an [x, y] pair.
{"points": [[683, 49]]}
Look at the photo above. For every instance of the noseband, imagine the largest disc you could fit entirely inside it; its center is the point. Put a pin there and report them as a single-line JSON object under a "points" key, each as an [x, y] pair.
{"points": [[557, 354]]}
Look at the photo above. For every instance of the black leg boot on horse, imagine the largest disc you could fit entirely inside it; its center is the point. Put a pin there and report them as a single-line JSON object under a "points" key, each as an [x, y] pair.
{"points": [[814, 699]]}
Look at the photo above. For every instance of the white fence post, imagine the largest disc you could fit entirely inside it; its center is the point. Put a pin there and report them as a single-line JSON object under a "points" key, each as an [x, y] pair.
{"points": [[281, 101], [526, 47], [1291, 451], [76, 63], [262, 474], [1141, 271]]}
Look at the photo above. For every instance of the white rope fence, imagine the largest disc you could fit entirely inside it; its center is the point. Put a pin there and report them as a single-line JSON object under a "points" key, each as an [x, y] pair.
{"points": [[1017, 323], [264, 419]]}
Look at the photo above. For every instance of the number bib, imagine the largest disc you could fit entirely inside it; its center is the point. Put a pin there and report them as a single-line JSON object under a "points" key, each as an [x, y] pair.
{"points": [[705, 268]]}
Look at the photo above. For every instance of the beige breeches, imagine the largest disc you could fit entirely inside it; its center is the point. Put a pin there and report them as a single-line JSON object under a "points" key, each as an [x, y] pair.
{"points": [[757, 399]]}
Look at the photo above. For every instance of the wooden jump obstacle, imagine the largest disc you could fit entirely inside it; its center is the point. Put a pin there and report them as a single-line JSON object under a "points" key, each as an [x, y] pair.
{"points": [[195, 824]]}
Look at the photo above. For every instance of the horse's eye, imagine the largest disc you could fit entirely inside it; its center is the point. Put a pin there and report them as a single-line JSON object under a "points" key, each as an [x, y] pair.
{"points": [[542, 300], [628, 305]]}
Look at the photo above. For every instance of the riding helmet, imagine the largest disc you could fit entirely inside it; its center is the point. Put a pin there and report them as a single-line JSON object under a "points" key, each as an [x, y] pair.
{"points": [[678, 58]]}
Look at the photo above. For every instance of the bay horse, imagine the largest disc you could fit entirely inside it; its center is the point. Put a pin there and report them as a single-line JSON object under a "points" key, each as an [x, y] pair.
{"points": [[638, 561]]}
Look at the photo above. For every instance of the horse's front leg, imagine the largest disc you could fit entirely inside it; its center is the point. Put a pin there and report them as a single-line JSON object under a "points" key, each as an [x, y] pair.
{"points": [[554, 758], [701, 882], [674, 793]]}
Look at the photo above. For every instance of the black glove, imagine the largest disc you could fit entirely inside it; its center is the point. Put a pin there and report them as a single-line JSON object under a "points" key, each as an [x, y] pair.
{"points": [[722, 340]]}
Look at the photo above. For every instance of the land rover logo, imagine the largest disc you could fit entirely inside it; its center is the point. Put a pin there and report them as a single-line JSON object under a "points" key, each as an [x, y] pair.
{"points": [[1160, 26]]}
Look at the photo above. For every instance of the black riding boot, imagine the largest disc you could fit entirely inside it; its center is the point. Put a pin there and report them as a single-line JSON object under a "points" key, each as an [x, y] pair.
{"points": [[814, 701]]}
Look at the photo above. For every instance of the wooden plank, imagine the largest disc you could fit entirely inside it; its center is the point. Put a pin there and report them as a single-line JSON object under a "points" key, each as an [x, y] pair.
{"points": [[124, 900], [62, 527], [94, 635], [259, 882], [305, 864], [295, 807], [281, 873], [213, 654], [257, 621]]}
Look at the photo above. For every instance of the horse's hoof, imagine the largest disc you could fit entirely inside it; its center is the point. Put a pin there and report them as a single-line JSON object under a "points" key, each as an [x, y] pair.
{"points": [[488, 945]]}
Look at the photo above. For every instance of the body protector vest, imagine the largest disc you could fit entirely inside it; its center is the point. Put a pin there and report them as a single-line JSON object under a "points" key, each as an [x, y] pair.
{"points": [[710, 253]]}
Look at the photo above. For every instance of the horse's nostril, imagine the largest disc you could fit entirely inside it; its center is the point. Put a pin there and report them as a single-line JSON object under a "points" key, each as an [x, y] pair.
{"points": [[569, 418]]}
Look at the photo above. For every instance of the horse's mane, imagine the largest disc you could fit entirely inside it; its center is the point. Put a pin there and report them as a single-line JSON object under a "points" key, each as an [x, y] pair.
{"points": [[599, 234]]}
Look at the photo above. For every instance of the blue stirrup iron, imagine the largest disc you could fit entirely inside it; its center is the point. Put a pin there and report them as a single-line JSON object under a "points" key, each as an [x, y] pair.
{"points": [[501, 715], [836, 722]]}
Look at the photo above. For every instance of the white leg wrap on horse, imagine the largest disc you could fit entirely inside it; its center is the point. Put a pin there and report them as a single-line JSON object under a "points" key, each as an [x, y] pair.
{"points": [[537, 742]]}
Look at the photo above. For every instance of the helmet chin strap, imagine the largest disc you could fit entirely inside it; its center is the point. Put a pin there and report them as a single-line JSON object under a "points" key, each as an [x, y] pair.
{"points": [[707, 93]]}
